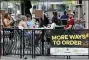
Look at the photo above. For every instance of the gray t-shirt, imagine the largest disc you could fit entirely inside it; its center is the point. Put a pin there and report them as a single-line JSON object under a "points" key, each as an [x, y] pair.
{"points": [[78, 26]]}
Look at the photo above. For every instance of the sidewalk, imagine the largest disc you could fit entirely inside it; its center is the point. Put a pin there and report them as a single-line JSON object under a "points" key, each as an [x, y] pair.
{"points": [[44, 58]]}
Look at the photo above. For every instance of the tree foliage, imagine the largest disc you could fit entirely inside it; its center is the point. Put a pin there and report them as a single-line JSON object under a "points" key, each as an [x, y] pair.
{"points": [[20, 0]]}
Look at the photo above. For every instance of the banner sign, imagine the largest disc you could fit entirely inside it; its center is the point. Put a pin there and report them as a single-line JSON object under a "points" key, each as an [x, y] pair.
{"points": [[69, 42]]}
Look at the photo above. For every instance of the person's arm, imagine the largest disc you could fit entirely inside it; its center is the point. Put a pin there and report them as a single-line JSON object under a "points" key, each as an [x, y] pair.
{"points": [[61, 17], [53, 25], [25, 25], [71, 23], [70, 26], [6, 22]]}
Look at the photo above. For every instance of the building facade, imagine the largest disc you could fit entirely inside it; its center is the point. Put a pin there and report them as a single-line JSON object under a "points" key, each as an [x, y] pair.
{"points": [[83, 10], [86, 11]]}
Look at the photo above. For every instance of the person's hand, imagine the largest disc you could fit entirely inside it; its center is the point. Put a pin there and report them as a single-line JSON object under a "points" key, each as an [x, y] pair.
{"points": [[65, 28], [10, 21]]}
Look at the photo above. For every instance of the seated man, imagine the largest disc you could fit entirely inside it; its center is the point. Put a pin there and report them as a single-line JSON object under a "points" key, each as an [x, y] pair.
{"points": [[65, 16], [78, 25], [69, 25], [70, 22]]}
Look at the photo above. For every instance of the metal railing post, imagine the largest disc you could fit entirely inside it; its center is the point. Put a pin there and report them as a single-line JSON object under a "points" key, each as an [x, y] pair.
{"points": [[21, 44], [3, 41], [32, 44], [42, 41]]}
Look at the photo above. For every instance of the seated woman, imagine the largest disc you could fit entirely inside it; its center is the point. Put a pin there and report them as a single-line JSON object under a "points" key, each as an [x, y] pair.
{"points": [[30, 23], [54, 23], [41, 22], [55, 18], [23, 23], [7, 23], [78, 26]]}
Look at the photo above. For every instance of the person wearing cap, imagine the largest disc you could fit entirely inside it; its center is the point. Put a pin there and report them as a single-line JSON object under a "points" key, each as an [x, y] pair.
{"points": [[70, 22]]}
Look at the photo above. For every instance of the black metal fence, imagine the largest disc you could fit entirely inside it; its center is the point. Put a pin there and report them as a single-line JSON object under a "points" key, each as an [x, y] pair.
{"points": [[33, 42], [0, 44], [12, 42], [24, 42]]}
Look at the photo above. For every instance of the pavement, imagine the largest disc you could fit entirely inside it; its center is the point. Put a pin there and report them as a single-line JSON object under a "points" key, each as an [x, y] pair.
{"points": [[44, 58]]}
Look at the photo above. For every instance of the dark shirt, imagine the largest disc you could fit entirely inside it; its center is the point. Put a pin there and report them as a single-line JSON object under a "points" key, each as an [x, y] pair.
{"points": [[55, 20], [64, 16], [46, 20]]}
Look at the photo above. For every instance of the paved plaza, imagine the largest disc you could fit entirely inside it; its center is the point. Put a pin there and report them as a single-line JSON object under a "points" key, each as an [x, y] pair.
{"points": [[44, 58]]}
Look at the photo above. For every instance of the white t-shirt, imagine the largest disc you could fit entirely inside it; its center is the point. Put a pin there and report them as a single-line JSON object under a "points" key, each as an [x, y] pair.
{"points": [[20, 27], [53, 25], [78, 26]]}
